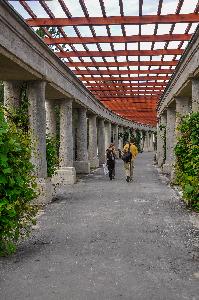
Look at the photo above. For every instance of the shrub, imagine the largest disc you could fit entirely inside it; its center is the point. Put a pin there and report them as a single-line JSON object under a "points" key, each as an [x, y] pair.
{"points": [[17, 185], [187, 155]]}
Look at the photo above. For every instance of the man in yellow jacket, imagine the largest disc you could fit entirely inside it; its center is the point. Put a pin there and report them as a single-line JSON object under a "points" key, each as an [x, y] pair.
{"points": [[129, 165]]}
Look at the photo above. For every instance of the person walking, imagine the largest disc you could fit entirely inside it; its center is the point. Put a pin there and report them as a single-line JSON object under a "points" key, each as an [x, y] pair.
{"points": [[130, 152], [110, 160]]}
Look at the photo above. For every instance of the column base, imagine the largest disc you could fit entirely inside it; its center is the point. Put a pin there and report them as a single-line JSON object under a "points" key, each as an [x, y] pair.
{"points": [[45, 191], [166, 168], [82, 167], [64, 176], [94, 163]]}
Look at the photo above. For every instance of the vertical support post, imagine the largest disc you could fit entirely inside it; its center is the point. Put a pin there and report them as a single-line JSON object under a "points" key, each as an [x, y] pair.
{"points": [[146, 142], [82, 165], [195, 95], [107, 134], [161, 130], [170, 139], [12, 91], [37, 117], [121, 131], [92, 149], [50, 118], [182, 109], [66, 173], [101, 141]]}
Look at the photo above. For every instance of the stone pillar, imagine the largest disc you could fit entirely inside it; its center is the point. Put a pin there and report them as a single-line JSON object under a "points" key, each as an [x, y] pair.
{"points": [[150, 141], [116, 141], [82, 165], [12, 91], [121, 131], [195, 95], [101, 141], [146, 142], [182, 109], [66, 173], [107, 134], [161, 130], [170, 140], [37, 117], [50, 118], [92, 149]]}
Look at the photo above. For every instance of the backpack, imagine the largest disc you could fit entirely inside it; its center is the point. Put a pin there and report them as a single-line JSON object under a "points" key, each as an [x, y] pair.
{"points": [[127, 156]]}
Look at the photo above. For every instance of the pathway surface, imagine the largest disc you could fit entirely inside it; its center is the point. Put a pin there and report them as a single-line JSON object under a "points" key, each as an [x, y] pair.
{"points": [[106, 241]]}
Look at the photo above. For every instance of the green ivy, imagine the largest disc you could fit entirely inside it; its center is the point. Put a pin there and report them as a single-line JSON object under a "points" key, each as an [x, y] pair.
{"points": [[187, 156], [52, 155], [17, 184]]}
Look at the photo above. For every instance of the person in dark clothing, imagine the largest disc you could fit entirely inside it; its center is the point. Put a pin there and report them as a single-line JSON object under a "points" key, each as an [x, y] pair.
{"points": [[110, 160]]}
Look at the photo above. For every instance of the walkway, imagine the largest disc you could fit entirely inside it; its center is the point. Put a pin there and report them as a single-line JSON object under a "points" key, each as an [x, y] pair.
{"points": [[107, 241]]}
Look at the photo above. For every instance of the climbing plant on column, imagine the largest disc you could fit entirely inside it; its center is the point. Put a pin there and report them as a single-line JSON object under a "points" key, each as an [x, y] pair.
{"points": [[17, 183], [187, 159]]}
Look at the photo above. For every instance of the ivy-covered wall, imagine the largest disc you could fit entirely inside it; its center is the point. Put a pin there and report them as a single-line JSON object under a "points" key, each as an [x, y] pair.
{"points": [[187, 159]]}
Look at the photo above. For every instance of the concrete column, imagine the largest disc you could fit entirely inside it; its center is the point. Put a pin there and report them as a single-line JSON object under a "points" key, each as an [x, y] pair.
{"points": [[101, 141], [195, 95], [161, 130], [50, 118], [146, 142], [92, 149], [150, 141], [82, 165], [12, 92], [107, 134], [170, 140], [141, 140], [116, 141], [37, 117], [121, 131], [182, 109], [66, 173]]}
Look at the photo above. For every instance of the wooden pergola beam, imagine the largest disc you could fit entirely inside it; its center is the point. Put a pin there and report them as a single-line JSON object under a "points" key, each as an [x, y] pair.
{"points": [[115, 20], [122, 72], [68, 54], [98, 78], [130, 85], [118, 39], [123, 64]]}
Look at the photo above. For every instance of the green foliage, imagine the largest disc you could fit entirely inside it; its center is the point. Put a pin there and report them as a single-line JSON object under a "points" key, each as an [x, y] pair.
{"points": [[40, 32], [52, 155], [17, 184], [187, 154]]}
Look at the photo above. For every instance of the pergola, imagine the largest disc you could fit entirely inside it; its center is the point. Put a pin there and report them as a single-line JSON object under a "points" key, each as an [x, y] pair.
{"points": [[126, 71]]}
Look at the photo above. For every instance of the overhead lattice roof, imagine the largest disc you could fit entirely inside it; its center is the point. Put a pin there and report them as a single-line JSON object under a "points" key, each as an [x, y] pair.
{"points": [[124, 51]]}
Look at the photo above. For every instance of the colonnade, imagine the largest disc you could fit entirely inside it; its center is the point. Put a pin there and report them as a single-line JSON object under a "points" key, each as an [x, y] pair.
{"points": [[93, 133], [169, 119]]}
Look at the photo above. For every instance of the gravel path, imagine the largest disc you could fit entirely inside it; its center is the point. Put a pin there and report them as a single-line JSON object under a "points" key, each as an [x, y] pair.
{"points": [[109, 240]]}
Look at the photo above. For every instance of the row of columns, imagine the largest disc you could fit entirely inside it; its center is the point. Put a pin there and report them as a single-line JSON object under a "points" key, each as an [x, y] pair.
{"points": [[167, 127], [93, 134]]}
